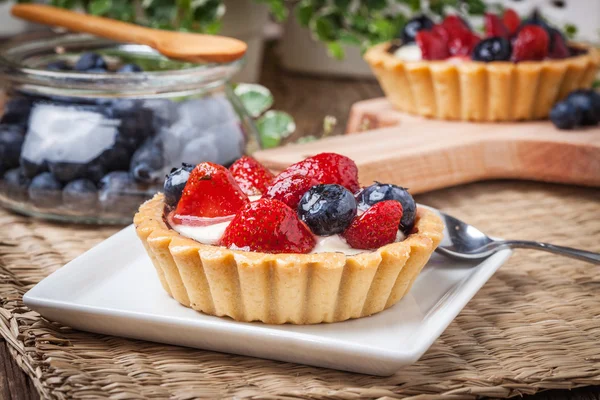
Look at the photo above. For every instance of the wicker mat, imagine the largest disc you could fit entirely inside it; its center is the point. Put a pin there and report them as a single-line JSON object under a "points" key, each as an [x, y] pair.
{"points": [[535, 325]]}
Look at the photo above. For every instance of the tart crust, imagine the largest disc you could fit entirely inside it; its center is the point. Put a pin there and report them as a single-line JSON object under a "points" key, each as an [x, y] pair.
{"points": [[284, 288], [478, 91]]}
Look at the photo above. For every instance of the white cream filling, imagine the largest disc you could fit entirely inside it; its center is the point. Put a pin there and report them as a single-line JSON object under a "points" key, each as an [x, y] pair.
{"points": [[211, 234], [409, 52]]}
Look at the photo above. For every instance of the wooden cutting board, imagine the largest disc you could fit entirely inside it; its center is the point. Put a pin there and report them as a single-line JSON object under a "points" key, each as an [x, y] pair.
{"points": [[425, 154]]}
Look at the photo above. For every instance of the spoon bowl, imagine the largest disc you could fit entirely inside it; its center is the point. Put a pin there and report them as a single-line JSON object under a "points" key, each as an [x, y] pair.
{"points": [[465, 242]]}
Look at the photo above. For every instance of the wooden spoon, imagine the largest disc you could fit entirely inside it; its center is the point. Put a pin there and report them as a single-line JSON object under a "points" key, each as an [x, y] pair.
{"points": [[183, 46]]}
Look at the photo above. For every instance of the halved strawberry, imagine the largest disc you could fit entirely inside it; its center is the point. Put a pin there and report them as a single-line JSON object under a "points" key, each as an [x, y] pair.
{"points": [[377, 227], [531, 44], [252, 176], [268, 226], [558, 47], [463, 43], [290, 190], [325, 168], [511, 20], [494, 26], [433, 46], [210, 192]]}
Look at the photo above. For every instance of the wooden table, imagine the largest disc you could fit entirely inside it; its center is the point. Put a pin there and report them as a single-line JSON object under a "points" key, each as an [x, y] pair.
{"points": [[309, 100]]}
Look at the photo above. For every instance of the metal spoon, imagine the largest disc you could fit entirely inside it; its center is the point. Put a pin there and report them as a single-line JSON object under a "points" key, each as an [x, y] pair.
{"points": [[465, 242]]}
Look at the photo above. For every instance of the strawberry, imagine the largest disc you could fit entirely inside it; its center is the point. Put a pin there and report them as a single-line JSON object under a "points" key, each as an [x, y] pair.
{"points": [[377, 227], [511, 20], [252, 176], [432, 45], [450, 27], [269, 226], [494, 27], [290, 190], [463, 43], [558, 47], [531, 44], [210, 192], [325, 168]]}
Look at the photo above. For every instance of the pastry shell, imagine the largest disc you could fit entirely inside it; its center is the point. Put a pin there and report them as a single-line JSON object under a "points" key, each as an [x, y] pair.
{"points": [[284, 288], [478, 91]]}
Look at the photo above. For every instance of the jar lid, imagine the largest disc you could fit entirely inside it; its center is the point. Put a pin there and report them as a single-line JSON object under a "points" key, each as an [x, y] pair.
{"points": [[23, 61]]}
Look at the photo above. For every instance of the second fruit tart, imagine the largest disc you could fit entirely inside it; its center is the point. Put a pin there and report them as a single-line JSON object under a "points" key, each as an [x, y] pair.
{"points": [[516, 71], [303, 247]]}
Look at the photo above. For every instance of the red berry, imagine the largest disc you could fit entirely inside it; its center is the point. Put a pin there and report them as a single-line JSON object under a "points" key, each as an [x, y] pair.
{"points": [[377, 227], [269, 226], [252, 176], [559, 47], [463, 43], [433, 46], [290, 190], [511, 20], [210, 192], [450, 27], [531, 44], [326, 168], [494, 27]]}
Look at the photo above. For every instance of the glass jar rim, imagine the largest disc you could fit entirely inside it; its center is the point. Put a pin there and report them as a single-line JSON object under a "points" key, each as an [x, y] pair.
{"points": [[12, 69]]}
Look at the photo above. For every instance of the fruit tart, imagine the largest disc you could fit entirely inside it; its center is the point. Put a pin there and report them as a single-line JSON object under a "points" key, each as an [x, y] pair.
{"points": [[303, 247], [517, 70]]}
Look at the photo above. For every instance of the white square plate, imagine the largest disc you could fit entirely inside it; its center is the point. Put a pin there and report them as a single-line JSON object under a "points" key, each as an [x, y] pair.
{"points": [[113, 289]]}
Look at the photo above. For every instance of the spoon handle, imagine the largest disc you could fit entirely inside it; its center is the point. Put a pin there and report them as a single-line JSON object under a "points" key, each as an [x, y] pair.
{"points": [[582, 255], [78, 22]]}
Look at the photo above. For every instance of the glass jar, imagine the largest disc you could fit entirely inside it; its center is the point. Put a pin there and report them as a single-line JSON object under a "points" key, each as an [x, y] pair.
{"points": [[91, 146]]}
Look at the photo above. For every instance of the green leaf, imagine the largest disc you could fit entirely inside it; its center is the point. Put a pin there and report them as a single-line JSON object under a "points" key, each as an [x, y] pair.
{"points": [[273, 127], [570, 31], [324, 28], [255, 98], [304, 11], [307, 139], [596, 84], [99, 7], [335, 50]]}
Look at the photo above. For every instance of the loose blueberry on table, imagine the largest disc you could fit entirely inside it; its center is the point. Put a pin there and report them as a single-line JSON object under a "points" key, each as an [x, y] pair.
{"points": [[315, 205]]}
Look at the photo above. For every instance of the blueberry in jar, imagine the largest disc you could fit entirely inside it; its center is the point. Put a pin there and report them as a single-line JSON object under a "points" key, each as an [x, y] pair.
{"points": [[80, 194], [59, 65], [175, 182], [66, 171], [31, 168], [383, 191], [90, 61], [130, 68], [414, 25], [327, 209], [16, 111], [588, 102], [147, 162], [11, 142], [14, 184], [492, 49], [45, 191], [565, 115]]}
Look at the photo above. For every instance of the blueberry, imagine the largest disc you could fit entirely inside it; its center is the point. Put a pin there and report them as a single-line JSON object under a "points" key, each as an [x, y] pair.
{"points": [[414, 25], [88, 61], [327, 209], [382, 191], [66, 171], [59, 65], [565, 115], [492, 49], [45, 191], [11, 142], [95, 171], [14, 185], [128, 68], [588, 102], [120, 194], [116, 157], [147, 163], [16, 111], [80, 194], [175, 182], [31, 169]]}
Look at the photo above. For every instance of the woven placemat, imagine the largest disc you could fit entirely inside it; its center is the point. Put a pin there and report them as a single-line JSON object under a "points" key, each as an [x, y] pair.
{"points": [[534, 326]]}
